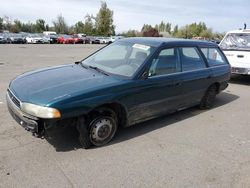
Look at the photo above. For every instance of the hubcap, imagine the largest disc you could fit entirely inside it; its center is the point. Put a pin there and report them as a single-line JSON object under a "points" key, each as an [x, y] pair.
{"points": [[101, 130]]}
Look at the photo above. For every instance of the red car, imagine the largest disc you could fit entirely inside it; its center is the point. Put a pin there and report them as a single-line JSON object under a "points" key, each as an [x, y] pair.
{"points": [[66, 39], [77, 39]]}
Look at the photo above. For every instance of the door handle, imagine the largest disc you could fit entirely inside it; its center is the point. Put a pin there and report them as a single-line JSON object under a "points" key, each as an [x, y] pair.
{"points": [[209, 77]]}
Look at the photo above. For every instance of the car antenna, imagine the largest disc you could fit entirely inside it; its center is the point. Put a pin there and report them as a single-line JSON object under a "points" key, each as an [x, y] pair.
{"points": [[245, 26]]}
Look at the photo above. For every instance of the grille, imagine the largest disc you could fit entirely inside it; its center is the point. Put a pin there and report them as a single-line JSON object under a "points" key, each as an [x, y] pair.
{"points": [[14, 99]]}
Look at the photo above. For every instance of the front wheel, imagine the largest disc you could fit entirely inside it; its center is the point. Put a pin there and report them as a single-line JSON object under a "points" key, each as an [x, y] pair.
{"points": [[99, 131], [102, 130], [209, 97]]}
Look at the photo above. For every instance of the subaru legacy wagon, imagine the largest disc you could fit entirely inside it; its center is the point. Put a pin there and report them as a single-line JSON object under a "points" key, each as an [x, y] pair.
{"points": [[124, 83]]}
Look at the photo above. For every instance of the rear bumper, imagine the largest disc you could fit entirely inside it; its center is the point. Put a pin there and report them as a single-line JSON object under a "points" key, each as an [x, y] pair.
{"points": [[239, 70]]}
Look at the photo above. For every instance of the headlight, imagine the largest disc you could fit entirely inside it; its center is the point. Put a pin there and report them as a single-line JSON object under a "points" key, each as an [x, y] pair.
{"points": [[40, 111]]}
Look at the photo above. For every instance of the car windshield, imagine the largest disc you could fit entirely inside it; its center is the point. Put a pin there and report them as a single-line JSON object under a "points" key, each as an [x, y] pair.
{"points": [[239, 41], [120, 58]]}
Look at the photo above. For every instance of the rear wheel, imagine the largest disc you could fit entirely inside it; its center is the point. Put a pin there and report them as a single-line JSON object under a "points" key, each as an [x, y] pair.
{"points": [[99, 129], [209, 97]]}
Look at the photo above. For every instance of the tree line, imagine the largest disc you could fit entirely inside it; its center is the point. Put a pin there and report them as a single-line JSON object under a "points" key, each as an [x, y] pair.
{"points": [[102, 24], [166, 29]]}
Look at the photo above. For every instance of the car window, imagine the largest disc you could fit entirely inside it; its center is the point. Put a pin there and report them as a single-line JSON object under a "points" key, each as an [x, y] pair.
{"points": [[191, 59], [166, 62], [214, 56], [115, 52]]}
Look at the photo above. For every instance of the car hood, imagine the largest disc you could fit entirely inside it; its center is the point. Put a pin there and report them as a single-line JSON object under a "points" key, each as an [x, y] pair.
{"points": [[46, 86]]}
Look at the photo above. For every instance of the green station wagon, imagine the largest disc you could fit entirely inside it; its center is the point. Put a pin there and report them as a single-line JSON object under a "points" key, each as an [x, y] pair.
{"points": [[124, 83]]}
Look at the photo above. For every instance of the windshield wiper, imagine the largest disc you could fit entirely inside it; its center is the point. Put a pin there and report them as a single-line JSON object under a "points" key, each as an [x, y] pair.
{"points": [[79, 62], [98, 70]]}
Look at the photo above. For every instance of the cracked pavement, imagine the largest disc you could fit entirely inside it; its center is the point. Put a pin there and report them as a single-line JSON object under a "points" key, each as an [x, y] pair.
{"points": [[191, 148]]}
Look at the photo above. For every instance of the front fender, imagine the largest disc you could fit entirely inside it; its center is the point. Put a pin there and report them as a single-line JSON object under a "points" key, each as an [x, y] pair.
{"points": [[76, 106]]}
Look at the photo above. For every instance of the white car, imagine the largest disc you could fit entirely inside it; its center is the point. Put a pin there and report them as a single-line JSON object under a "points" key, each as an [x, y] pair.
{"points": [[236, 47], [34, 39], [114, 38], [103, 40]]}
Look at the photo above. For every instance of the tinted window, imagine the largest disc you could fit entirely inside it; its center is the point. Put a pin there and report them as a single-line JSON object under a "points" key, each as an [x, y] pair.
{"points": [[191, 59], [166, 62], [214, 56]]}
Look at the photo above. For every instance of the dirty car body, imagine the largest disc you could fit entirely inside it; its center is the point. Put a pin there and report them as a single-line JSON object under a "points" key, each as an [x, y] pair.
{"points": [[127, 82]]}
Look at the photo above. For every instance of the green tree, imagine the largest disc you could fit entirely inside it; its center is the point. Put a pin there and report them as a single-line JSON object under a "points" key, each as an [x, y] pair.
{"points": [[7, 23], [28, 27], [89, 25], [195, 30], [104, 21], [1, 23], [16, 27], [47, 27], [208, 34], [146, 27], [79, 27], [131, 33], [39, 26], [60, 25], [175, 31]]}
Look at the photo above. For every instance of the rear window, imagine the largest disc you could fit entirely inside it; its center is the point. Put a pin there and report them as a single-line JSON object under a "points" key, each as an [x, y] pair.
{"points": [[191, 59], [214, 56]]}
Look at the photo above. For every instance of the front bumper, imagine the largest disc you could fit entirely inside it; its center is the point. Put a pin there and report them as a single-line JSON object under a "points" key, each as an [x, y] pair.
{"points": [[30, 123], [239, 70]]}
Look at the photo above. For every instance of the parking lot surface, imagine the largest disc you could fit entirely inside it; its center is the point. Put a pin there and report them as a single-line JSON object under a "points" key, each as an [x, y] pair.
{"points": [[191, 148]]}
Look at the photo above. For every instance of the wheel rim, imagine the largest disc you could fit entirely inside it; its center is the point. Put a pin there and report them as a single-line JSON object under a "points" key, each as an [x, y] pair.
{"points": [[102, 130]]}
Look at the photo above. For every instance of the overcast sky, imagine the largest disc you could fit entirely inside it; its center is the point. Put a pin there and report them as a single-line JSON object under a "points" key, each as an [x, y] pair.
{"points": [[220, 15]]}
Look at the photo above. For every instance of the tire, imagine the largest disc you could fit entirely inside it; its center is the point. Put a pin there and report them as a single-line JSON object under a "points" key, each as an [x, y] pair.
{"points": [[99, 129], [208, 99]]}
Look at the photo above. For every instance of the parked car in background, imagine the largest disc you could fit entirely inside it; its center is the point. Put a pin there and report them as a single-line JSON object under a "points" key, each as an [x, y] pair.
{"points": [[51, 35], [103, 40], [77, 39], [85, 39], [46, 39], [3, 40], [236, 46], [93, 40], [127, 82], [114, 38], [81, 35], [34, 39], [65, 39], [16, 38]]}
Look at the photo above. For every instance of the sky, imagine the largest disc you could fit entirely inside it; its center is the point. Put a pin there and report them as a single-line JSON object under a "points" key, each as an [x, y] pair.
{"points": [[220, 15]]}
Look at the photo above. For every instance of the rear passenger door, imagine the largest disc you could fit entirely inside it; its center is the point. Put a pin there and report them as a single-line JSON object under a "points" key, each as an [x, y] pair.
{"points": [[195, 75]]}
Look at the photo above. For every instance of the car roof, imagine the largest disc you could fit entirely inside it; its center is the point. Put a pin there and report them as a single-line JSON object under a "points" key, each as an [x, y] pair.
{"points": [[240, 31], [159, 41]]}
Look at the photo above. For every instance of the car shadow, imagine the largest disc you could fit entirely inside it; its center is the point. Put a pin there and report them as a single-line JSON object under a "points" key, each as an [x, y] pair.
{"points": [[240, 79], [66, 139]]}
